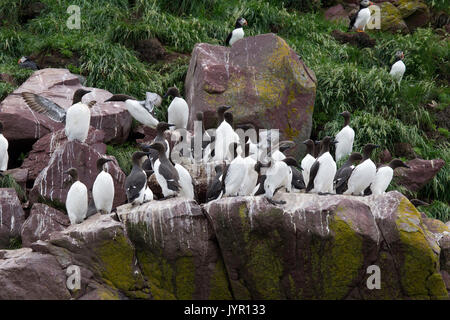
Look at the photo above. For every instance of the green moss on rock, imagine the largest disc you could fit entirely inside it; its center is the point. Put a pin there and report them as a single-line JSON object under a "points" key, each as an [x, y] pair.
{"points": [[185, 278], [219, 283]]}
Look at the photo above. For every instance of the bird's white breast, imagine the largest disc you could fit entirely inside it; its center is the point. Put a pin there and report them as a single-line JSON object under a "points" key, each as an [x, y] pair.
{"points": [[306, 164], [103, 191], [139, 113], [77, 202], [323, 182], [362, 19], [235, 176], [187, 189], [236, 35], [344, 145], [398, 69], [78, 118], [3, 153], [382, 180], [178, 113], [361, 177]]}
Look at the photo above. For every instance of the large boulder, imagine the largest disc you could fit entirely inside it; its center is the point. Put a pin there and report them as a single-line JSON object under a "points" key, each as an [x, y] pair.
{"points": [[420, 173], [391, 18], [50, 185], [42, 221], [320, 247], [42, 150], [59, 85], [261, 77], [12, 216], [337, 12], [176, 250], [415, 13]]}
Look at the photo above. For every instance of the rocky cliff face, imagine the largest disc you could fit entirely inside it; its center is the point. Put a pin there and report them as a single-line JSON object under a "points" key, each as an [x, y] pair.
{"points": [[313, 247]]}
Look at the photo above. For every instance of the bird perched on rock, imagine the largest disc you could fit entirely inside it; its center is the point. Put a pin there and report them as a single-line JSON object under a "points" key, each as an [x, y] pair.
{"points": [[277, 153], [398, 68], [344, 139], [237, 33], [26, 63], [77, 198], [251, 176], [136, 183], [323, 170], [363, 174], [160, 129], [361, 18], [278, 175], [308, 160], [178, 111], [3, 150], [77, 118], [236, 172], [142, 111], [224, 136], [217, 186], [103, 188], [344, 172], [384, 176]]}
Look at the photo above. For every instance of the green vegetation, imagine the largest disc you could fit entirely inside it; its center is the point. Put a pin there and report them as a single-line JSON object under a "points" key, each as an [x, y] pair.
{"points": [[8, 182], [349, 78]]}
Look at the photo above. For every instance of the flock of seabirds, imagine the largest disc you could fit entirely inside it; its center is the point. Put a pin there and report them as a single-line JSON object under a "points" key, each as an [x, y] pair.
{"points": [[244, 166]]}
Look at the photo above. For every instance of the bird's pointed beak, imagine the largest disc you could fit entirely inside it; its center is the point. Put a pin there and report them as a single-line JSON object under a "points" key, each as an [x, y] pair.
{"points": [[171, 125], [18, 61], [245, 23]]}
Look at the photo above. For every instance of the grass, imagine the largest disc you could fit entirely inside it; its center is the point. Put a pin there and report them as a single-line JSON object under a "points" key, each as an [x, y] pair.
{"points": [[8, 182], [349, 78]]}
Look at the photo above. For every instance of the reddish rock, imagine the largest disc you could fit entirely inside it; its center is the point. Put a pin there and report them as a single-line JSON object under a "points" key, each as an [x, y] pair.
{"points": [[50, 185], [174, 240], [319, 247], [59, 85], [419, 174], [12, 216], [385, 156], [20, 175], [43, 149], [337, 12], [261, 77], [415, 13], [42, 221], [27, 275]]}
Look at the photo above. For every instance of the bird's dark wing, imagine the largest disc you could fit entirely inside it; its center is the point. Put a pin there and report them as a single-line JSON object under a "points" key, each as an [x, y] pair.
{"points": [[260, 182], [214, 188], [341, 179], [225, 172], [312, 175], [368, 191], [227, 41], [352, 21], [297, 179], [171, 177], [134, 183], [45, 106]]}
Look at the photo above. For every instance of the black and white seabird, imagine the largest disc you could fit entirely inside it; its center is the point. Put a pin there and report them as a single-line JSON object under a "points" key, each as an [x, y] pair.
{"points": [[259, 188], [251, 176], [142, 111], [384, 176], [344, 139], [178, 111], [165, 172], [26, 63], [323, 170], [160, 129], [308, 160], [236, 172], [363, 174], [278, 175], [361, 18], [297, 178], [77, 118], [237, 33], [136, 183], [77, 198], [344, 172], [217, 185], [225, 135], [3, 150], [398, 68], [103, 188], [277, 153]]}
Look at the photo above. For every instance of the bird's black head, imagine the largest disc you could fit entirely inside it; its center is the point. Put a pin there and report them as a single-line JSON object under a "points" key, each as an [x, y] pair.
{"points": [[139, 157], [368, 148], [172, 92], [355, 156], [240, 23], [73, 173], [290, 161], [346, 116], [101, 162], [365, 3], [163, 126], [158, 147], [199, 116], [286, 145], [221, 110], [399, 55], [118, 97], [78, 94], [397, 163], [309, 146], [228, 116], [218, 169]]}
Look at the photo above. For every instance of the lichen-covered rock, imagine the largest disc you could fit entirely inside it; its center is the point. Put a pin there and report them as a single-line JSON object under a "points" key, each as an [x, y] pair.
{"points": [[420, 172], [50, 183], [27, 275], [12, 216], [415, 13], [175, 249], [59, 85], [42, 221], [391, 18], [261, 77], [319, 247]]}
